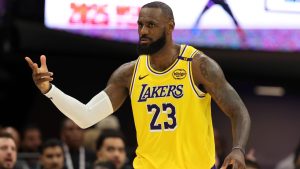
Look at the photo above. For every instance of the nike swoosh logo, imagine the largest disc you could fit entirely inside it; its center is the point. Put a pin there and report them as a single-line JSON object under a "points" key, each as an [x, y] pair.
{"points": [[142, 77]]}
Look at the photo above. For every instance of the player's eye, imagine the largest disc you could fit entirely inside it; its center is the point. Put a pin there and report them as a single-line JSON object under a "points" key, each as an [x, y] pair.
{"points": [[151, 25]]}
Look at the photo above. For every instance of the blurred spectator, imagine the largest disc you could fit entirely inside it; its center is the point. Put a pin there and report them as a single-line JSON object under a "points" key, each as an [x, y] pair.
{"points": [[286, 163], [251, 155], [30, 143], [250, 160], [91, 134], [14, 133], [52, 155], [20, 164], [31, 139], [289, 161], [104, 165], [8, 151], [111, 147], [76, 155], [251, 164]]}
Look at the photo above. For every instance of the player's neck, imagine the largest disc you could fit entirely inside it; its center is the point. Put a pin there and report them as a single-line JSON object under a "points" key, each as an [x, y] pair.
{"points": [[164, 58]]}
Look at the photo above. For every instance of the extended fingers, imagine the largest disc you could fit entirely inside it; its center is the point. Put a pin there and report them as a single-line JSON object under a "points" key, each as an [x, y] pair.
{"points": [[32, 65], [30, 62], [41, 77], [43, 62], [45, 79]]}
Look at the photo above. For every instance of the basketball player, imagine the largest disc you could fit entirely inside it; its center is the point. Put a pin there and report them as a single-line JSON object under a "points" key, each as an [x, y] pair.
{"points": [[172, 115], [223, 4], [227, 9]]}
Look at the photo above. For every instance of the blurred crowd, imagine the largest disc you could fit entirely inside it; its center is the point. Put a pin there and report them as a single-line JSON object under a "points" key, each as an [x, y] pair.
{"points": [[102, 146]]}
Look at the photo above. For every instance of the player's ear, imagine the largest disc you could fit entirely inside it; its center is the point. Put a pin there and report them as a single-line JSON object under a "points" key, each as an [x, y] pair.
{"points": [[171, 25]]}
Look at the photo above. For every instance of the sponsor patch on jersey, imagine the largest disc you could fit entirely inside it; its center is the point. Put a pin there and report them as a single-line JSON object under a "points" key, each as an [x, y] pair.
{"points": [[179, 74]]}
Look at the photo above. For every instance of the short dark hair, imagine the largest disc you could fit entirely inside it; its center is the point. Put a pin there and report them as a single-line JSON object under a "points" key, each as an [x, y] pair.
{"points": [[53, 142], [29, 127], [4, 134], [108, 133], [166, 9], [63, 123]]}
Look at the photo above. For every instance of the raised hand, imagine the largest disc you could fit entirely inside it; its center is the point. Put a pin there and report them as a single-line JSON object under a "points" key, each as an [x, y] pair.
{"points": [[40, 75]]}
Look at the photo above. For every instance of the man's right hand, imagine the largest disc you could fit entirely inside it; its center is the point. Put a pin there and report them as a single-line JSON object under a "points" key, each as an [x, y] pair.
{"points": [[40, 75]]}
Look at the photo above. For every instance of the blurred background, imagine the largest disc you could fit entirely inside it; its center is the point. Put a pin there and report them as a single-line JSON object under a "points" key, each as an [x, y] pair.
{"points": [[83, 49]]}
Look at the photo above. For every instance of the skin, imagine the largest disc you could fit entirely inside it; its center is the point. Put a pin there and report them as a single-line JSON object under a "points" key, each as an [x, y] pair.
{"points": [[152, 23], [14, 133], [8, 153], [52, 158], [113, 149], [32, 140], [72, 134]]}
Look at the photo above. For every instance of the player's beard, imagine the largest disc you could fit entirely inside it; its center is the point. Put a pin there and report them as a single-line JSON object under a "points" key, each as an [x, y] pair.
{"points": [[153, 47]]}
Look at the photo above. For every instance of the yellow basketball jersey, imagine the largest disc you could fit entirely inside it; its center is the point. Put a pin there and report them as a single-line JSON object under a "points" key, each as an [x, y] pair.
{"points": [[172, 116]]}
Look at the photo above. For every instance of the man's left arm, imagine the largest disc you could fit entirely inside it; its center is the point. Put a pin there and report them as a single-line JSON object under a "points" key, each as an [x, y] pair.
{"points": [[208, 73]]}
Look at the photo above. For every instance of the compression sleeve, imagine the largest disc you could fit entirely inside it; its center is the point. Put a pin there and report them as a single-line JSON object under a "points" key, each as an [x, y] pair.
{"points": [[84, 115]]}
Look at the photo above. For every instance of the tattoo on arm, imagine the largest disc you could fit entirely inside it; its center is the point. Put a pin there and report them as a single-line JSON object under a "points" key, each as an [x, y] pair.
{"points": [[227, 98], [216, 84], [118, 85]]}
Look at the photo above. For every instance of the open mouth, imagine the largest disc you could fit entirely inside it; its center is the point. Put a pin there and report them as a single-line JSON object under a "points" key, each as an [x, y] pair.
{"points": [[8, 160]]}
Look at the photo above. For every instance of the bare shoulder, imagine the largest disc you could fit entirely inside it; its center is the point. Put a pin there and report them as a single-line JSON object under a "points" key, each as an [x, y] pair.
{"points": [[206, 70], [122, 75]]}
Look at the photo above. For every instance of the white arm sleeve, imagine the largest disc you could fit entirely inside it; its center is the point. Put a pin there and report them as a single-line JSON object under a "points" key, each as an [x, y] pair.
{"points": [[84, 115]]}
